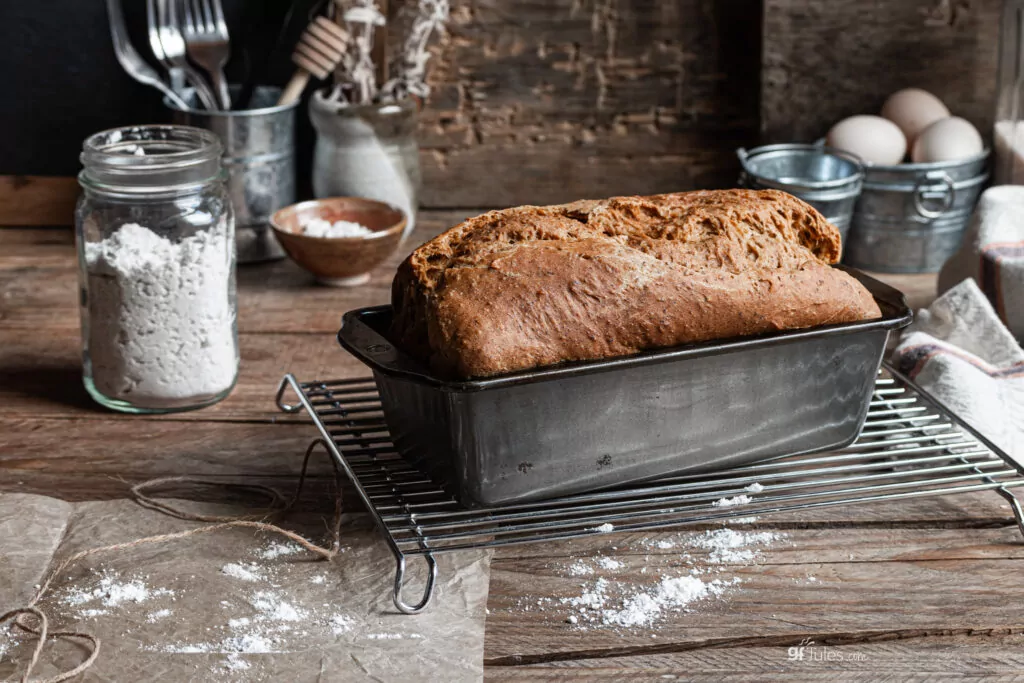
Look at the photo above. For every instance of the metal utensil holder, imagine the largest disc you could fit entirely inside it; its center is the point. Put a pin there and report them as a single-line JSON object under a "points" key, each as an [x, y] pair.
{"points": [[259, 157], [909, 447]]}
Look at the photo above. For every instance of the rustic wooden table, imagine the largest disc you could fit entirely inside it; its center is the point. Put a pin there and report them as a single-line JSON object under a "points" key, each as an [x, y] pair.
{"points": [[916, 587]]}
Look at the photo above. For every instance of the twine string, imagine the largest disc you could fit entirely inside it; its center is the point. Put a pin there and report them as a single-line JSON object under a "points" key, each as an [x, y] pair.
{"points": [[144, 494]]}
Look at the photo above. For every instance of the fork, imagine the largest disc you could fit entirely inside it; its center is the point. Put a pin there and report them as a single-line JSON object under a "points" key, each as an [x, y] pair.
{"points": [[129, 58], [169, 47], [207, 42]]}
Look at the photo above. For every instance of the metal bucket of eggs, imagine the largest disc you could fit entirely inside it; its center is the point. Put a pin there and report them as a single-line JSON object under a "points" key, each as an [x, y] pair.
{"points": [[911, 217]]}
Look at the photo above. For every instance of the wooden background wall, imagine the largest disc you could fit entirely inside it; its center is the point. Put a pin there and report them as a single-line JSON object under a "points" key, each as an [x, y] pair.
{"points": [[537, 101]]}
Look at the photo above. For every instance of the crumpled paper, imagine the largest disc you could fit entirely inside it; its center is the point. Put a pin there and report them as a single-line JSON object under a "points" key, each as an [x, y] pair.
{"points": [[961, 353], [339, 623]]}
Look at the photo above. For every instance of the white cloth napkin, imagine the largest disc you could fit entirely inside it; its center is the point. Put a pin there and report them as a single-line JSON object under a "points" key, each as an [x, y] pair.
{"points": [[992, 253], [961, 353]]}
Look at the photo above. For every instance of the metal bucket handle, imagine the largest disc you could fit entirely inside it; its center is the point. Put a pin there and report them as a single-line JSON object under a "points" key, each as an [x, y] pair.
{"points": [[923, 192], [742, 154]]}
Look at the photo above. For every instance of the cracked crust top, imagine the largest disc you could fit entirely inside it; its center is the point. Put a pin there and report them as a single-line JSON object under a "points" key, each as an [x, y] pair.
{"points": [[531, 286]]}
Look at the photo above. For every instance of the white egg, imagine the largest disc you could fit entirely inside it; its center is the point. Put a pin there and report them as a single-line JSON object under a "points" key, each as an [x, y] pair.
{"points": [[913, 110], [872, 138], [949, 139]]}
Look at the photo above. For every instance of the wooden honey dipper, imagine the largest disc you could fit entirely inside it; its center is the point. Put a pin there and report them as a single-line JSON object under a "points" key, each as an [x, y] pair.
{"points": [[320, 50]]}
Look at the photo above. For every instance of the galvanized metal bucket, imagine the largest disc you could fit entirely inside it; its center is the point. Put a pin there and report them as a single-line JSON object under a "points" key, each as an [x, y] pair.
{"points": [[259, 157], [910, 218], [827, 179]]}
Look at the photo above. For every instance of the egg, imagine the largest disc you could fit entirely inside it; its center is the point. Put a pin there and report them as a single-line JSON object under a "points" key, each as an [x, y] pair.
{"points": [[872, 138], [913, 110], [951, 139]]}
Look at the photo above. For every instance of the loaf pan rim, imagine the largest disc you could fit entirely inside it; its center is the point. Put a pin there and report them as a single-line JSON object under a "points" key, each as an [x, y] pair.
{"points": [[382, 356]]}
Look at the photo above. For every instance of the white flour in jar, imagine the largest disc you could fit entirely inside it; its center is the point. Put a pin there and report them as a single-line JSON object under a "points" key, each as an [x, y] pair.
{"points": [[161, 321]]}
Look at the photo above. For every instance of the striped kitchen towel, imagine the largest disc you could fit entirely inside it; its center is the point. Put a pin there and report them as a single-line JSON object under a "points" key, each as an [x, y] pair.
{"points": [[961, 353], [992, 253]]}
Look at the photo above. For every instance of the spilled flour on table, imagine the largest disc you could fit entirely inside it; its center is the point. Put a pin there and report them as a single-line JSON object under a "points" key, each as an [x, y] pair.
{"points": [[742, 499], [610, 602], [580, 568], [644, 607], [726, 545]]}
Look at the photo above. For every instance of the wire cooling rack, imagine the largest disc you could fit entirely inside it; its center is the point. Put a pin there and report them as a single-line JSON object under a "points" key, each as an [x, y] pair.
{"points": [[909, 447]]}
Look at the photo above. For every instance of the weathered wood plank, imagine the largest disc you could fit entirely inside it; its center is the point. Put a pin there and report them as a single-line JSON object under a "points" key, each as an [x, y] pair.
{"points": [[936, 658], [37, 200], [546, 102], [920, 289], [38, 236], [41, 376], [97, 459], [939, 581], [562, 171], [824, 61], [80, 458]]}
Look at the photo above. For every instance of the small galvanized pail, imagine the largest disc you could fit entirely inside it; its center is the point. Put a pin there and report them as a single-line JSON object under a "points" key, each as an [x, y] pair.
{"points": [[259, 157], [827, 179], [911, 218]]}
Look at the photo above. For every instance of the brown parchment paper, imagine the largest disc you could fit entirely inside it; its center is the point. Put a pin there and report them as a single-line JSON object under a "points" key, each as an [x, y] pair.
{"points": [[347, 630], [31, 528]]}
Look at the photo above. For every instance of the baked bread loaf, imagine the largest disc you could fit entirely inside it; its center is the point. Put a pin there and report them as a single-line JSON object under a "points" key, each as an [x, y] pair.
{"points": [[536, 285]]}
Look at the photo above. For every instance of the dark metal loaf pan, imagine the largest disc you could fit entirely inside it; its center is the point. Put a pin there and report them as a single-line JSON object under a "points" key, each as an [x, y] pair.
{"points": [[579, 426]]}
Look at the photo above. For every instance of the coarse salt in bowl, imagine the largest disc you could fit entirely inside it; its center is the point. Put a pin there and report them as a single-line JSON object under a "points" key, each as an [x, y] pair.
{"points": [[340, 239]]}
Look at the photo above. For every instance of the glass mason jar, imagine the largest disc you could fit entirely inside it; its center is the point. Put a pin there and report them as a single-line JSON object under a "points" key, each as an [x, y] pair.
{"points": [[156, 254], [367, 151]]}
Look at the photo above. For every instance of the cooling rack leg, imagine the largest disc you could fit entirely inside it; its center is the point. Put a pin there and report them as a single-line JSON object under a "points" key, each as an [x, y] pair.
{"points": [[428, 591], [1018, 513], [287, 381]]}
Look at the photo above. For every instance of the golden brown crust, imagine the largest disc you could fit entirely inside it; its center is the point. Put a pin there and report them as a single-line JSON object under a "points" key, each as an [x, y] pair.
{"points": [[532, 286]]}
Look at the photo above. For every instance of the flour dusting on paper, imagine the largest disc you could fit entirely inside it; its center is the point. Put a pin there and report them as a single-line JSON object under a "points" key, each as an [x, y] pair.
{"points": [[110, 591], [158, 615], [261, 619], [238, 571], [276, 550]]}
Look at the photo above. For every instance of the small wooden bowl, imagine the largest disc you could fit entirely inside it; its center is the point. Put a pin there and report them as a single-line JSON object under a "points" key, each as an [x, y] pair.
{"points": [[340, 261]]}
